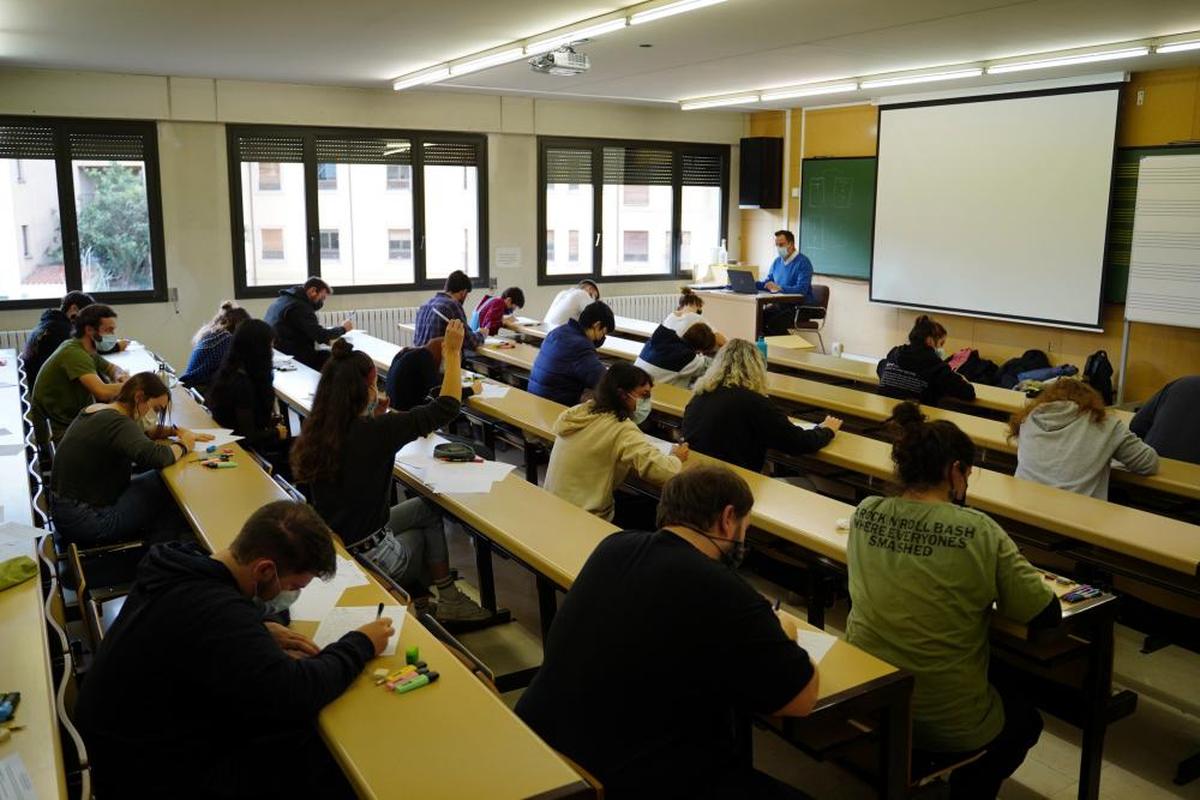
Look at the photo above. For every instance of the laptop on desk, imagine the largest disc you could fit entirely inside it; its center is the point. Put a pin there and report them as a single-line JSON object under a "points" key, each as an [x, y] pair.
{"points": [[741, 281]]}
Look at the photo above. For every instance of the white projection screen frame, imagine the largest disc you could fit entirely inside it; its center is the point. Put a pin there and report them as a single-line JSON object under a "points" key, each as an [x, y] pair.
{"points": [[996, 206]]}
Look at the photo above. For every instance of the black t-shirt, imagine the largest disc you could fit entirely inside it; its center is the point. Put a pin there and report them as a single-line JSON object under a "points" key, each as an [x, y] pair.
{"points": [[654, 650], [356, 503], [738, 426]]}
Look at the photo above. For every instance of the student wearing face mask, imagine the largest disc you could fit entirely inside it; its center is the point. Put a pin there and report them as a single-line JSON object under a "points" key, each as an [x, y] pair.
{"points": [[918, 370], [661, 651], [94, 498], [345, 455], [597, 444], [76, 373], [926, 576], [567, 364], [293, 315], [191, 695], [53, 328]]}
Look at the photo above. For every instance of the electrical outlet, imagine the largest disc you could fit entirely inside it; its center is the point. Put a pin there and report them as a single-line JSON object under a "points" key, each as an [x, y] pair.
{"points": [[1141, 97], [173, 294]]}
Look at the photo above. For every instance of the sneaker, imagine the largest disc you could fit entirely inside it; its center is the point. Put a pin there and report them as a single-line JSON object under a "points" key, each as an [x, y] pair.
{"points": [[454, 606]]}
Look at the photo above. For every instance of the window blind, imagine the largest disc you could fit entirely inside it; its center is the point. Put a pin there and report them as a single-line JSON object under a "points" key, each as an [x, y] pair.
{"points": [[26, 141], [451, 154], [363, 151], [266, 147], [568, 166], [638, 166]]}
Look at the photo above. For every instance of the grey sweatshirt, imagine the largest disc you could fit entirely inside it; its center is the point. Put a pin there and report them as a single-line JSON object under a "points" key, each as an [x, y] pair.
{"points": [[1061, 447]]}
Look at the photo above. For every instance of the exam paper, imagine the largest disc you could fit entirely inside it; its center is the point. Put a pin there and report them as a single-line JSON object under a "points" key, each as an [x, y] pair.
{"points": [[221, 438], [815, 643], [662, 445], [491, 391], [319, 598], [15, 531], [343, 619], [15, 783], [444, 477]]}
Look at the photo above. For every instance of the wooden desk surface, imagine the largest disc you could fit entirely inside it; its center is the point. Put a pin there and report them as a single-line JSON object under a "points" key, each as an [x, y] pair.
{"points": [[844, 668], [729, 294], [635, 327], [24, 650], [614, 346], [370, 733]]}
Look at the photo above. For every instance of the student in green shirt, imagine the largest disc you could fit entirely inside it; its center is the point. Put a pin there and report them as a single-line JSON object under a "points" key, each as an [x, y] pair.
{"points": [[74, 374], [926, 575]]}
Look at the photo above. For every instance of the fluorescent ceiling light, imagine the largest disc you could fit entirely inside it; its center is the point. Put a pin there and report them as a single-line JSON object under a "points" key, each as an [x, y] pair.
{"points": [[670, 10], [1178, 47], [714, 102], [589, 32], [1062, 61], [808, 91], [483, 62], [928, 77], [424, 76]]}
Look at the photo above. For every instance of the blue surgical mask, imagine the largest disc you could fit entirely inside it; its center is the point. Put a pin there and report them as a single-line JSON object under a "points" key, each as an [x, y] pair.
{"points": [[372, 404], [783, 252], [642, 412], [107, 342], [277, 604]]}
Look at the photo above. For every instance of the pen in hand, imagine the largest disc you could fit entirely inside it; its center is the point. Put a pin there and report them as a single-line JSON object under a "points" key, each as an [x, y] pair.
{"points": [[379, 611]]}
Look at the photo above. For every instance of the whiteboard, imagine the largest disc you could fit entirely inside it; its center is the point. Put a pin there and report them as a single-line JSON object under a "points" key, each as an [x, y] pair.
{"points": [[1164, 262], [996, 206]]}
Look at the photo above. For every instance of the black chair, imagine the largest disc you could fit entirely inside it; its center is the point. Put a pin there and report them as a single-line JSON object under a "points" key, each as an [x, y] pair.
{"points": [[812, 318]]}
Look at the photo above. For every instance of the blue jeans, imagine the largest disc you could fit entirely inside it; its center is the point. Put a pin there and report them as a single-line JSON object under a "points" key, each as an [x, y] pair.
{"points": [[414, 540], [145, 510]]}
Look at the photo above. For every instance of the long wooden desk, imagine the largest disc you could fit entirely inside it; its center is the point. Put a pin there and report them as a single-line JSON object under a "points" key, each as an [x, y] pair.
{"points": [[635, 328], [564, 536], [24, 649], [388, 749]]}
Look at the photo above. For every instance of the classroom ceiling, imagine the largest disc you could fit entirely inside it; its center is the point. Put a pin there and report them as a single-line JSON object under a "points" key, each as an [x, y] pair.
{"points": [[738, 45]]}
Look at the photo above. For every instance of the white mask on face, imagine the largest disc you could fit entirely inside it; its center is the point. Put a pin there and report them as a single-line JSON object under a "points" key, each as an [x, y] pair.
{"points": [[783, 251], [149, 420], [642, 411]]}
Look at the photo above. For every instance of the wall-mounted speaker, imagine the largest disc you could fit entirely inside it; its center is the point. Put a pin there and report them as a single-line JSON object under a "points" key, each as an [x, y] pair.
{"points": [[761, 181]]}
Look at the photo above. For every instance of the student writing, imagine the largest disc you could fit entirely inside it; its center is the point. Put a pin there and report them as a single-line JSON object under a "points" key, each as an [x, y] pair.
{"points": [[918, 370], [210, 344]]}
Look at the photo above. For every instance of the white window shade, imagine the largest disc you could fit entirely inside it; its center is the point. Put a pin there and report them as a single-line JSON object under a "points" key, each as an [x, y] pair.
{"points": [[996, 206]]}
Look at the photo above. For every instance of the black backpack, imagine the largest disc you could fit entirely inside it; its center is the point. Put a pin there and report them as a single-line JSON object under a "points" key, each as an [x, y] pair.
{"points": [[1098, 373], [1029, 360]]}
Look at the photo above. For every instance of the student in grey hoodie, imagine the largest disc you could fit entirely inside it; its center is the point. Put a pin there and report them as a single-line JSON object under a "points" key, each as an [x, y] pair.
{"points": [[1065, 438]]}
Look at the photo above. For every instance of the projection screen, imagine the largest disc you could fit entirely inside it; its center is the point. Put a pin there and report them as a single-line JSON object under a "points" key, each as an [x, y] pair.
{"points": [[996, 206]]}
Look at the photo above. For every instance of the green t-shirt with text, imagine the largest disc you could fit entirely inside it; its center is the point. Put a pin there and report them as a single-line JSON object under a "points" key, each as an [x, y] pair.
{"points": [[923, 580], [57, 390]]}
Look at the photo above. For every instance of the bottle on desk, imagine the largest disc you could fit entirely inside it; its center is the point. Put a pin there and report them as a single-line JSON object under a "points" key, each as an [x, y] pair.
{"points": [[761, 344]]}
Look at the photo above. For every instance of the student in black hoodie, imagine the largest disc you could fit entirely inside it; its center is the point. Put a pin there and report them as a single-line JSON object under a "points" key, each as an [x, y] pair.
{"points": [[241, 395], [192, 695], [918, 370], [293, 315], [53, 328], [731, 418]]}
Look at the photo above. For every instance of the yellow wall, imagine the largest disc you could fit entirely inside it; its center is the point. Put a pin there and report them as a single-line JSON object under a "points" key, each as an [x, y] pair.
{"points": [[1170, 111]]}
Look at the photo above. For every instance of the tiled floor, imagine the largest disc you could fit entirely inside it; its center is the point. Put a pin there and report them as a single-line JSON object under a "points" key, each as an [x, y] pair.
{"points": [[1141, 752]]}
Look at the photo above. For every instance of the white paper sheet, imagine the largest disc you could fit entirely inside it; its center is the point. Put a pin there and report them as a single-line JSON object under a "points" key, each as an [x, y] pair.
{"points": [[221, 438], [491, 391], [662, 445], [449, 478], [11, 449], [497, 341], [805, 424], [319, 597], [815, 643], [15, 531], [133, 346], [343, 619], [15, 783]]}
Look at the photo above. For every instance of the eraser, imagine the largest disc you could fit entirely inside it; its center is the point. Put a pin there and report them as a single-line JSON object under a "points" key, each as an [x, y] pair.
{"points": [[843, 524], [382, 672]]}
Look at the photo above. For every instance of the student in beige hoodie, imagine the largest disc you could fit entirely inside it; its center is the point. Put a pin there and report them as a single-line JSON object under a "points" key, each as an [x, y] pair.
{"points": [[597, 444], [1066, 439]]}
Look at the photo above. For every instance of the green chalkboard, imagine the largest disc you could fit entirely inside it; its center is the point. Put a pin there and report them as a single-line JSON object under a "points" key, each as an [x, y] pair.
{"points": [[837, 208], [1120, 219]]}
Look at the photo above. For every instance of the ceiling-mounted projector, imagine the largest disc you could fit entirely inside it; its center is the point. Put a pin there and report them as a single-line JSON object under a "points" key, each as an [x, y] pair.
{"points": [[564, 61]]}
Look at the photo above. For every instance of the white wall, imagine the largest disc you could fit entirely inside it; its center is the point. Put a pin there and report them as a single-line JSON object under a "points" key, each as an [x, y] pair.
{"points": [[192, 113]]}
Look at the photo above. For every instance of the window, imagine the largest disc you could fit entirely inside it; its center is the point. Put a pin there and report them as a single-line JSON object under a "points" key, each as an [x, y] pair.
{"points": [[399, 177], [632, 210], [79, 200], [272, 243], [400, 245], [347, 208], [326, 176], [565, 171], [635, 247], [268, 177], [330, 248]]}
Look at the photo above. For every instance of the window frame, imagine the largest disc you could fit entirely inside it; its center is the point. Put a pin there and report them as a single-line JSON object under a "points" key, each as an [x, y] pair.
{"points": [[309, 134], [596, 146], [68, 216]]}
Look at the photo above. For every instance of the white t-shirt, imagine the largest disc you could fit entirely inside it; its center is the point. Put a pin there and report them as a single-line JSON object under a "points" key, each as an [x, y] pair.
{"points": [[568, 304], [681, 322]]}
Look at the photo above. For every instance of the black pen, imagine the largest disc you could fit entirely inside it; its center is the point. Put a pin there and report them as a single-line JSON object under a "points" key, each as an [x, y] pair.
{"points": [[379, 611]]}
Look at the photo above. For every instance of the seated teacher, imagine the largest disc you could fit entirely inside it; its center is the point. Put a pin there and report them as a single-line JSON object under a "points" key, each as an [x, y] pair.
{"points": [[791, 273]]}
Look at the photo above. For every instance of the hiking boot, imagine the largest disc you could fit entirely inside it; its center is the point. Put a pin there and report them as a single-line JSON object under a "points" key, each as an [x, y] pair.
{"points": [[455, 607]]}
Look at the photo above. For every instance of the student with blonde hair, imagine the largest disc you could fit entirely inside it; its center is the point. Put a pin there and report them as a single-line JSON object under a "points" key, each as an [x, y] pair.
{"points": [[731, 418], [1067, 439]]}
